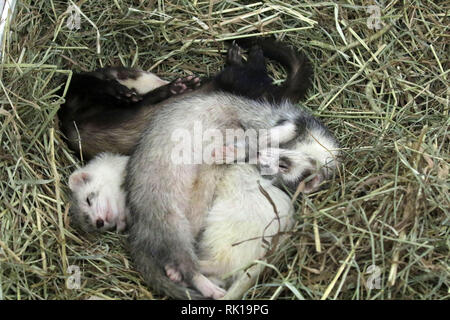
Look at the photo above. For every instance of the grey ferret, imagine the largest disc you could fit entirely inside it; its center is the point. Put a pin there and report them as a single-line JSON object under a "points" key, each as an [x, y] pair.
{"points": [[169, 200]]}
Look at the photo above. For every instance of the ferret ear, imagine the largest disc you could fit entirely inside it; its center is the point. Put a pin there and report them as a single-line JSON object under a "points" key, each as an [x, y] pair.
{"points": [[285, 131], [78, 179], [312, 184], [279, 134]]}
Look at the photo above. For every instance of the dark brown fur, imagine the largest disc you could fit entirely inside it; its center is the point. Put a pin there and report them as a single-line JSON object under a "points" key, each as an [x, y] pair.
{"points": [[102, 115]]}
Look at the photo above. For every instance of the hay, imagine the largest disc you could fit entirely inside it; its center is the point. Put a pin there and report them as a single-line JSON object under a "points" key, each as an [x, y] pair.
{"points": [[383, 92]]}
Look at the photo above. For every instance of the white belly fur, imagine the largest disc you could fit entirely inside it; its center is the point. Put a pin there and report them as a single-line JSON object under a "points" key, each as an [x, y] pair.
{"points": [[146, 82], [241, 215]]}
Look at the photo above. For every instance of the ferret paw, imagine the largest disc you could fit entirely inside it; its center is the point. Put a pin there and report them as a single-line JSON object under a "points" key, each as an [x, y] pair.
{"points": [[173, 274], [121, 92], [207, 288], [186, 84], [234, 55]]}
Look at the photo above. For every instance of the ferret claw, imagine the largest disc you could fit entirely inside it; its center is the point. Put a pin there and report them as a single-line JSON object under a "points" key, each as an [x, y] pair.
{"points": [[234, 55], [182, 85], [121, 92]]}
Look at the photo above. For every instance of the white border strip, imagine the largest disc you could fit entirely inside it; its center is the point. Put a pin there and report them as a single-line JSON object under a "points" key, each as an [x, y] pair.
{"points": [[8, 10]]}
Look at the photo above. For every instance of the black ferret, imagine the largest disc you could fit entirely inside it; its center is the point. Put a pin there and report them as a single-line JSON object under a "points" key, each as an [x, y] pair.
{"points": [[113, 98], [107, 110]]}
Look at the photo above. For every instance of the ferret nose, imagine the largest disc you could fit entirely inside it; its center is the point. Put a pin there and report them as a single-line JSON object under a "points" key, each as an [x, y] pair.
{"points": [[100, 223]]}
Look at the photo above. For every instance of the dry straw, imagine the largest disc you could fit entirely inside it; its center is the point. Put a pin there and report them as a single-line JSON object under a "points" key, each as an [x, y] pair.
{"points": [[379, 231]]}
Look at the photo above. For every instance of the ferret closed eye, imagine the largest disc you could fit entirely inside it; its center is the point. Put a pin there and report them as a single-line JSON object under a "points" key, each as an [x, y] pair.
{"points": [[97, 197]]}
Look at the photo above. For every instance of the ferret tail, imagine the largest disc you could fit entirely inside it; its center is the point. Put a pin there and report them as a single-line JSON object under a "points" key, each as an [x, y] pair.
{"points": [[156, 279], [299, 69]]}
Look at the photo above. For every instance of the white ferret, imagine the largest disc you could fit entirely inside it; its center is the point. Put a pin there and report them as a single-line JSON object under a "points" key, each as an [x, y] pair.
{"points": [[98, 197], [240, 224]]}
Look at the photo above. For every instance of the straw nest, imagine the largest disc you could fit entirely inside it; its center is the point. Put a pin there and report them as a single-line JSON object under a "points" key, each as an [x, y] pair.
{"points": [[381, 229]]}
